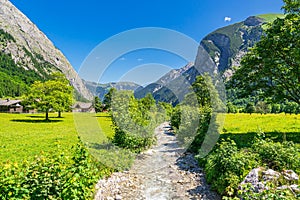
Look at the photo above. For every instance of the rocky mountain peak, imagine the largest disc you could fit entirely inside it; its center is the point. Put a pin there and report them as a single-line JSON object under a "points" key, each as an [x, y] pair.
{"points": [[253, 21], [31, 44]]}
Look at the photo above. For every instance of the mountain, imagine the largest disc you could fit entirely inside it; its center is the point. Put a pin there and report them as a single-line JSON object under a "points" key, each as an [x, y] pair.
{"points": [[26, 54], [221, 50], [100, 90], [153, 88], [229, 44]]}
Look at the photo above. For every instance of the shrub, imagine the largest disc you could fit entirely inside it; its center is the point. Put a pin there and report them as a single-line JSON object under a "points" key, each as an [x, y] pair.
{"points": [[226, 167], [278, 156], [133, 142], [53, 176]]}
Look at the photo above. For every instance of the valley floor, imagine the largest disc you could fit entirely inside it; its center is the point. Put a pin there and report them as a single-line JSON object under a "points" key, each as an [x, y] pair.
{"points": [[163, 172]]}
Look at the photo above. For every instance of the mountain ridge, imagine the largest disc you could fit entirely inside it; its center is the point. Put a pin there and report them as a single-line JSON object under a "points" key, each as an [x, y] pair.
{"points": [[225, 47], [30, 45]]}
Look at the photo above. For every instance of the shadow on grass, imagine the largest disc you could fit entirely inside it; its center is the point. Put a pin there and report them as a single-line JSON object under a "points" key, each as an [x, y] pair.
{"points": [[43, 117], [246, 139], [103, 116], [36, 120]]}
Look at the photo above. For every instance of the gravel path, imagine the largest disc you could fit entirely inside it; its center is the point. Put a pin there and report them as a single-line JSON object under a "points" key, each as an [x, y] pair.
{"points": [[163, 172]]}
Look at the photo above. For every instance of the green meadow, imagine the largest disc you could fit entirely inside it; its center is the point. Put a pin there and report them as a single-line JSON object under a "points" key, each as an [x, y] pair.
{"points": [[245, 123], [23, 136], [243, 128]]}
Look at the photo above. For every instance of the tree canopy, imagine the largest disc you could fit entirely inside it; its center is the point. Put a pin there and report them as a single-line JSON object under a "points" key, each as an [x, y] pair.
{"points": [[272, 66], [55, 94]]}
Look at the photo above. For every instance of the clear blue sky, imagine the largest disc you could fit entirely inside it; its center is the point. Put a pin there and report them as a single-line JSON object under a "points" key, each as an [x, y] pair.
{"points": [[77, 27]]}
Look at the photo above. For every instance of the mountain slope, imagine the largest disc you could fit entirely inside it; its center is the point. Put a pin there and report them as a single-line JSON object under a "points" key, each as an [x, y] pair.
{"points": [[162, 82], [31, 50], [224, 47]]}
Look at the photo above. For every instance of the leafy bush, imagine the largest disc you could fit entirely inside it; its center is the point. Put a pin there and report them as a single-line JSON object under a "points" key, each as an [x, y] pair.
{"points": [[53, 176], [134, 121], [133, 142], [278, 156], [226, 167]]}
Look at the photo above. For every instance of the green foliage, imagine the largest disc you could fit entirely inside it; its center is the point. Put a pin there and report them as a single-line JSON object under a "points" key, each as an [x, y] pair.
{"points": [[97, 104], [227, 166], [176, 117], [231, 108], [202, 91], [56, 94], [272, 193], [107, 101], [291, 107], [5, 37], [15, 77], [272, 66], [14, 80], [278, 156], [167, 109], [134, 121], [275, 108], [52, 176]]}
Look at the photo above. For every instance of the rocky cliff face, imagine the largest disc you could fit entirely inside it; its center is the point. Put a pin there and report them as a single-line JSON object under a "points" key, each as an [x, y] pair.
{"points": [[228, 45], [30, 45], [221, 50]]}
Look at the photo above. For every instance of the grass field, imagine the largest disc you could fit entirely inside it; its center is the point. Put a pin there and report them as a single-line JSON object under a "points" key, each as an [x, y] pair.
{"points": [[243, 128], [22, 136], [245, 123]]}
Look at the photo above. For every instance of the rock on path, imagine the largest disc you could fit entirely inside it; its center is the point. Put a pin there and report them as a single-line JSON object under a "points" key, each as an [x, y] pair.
{"points": [[163, 172]]}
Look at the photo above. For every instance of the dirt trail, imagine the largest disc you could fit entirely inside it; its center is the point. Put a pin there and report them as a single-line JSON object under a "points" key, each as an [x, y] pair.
{"points": [[163, 172]]}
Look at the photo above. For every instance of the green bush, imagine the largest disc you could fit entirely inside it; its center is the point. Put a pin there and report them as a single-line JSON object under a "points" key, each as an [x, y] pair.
{"points": [[55, 176], [134, 121], [226, 167], [133, 142], [278, 156]]}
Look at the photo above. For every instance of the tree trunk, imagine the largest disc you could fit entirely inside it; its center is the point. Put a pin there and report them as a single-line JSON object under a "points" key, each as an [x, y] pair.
{"points": [[59, 114], [47, 115]]}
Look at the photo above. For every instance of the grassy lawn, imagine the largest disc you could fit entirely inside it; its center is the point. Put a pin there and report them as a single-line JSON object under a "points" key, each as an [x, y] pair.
{"points": [[22, 136], [243, 127], [244, 123]]}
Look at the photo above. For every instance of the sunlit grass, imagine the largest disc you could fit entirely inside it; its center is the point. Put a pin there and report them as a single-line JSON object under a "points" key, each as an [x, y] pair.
{"points": [[23, 136], [245, 123]]}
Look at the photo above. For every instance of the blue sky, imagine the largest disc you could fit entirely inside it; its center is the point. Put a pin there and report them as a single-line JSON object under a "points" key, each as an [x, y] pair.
{"points": [[77, 27]]}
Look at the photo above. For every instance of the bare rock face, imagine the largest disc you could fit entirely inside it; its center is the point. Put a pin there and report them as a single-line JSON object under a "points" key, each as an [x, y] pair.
{"points": [[29, 40]]}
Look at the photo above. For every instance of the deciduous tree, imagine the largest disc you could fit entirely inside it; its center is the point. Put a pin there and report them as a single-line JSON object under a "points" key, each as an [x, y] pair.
{"points": [[273, 65], [55, 94]]}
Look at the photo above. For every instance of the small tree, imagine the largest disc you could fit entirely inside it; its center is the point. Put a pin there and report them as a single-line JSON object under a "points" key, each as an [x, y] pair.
{"points": [[108, 98], [97, 104], [55, 94], [250, 108]]}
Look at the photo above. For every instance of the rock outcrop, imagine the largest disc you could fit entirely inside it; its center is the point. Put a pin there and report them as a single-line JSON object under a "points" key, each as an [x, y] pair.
{"points": [[30, 45], [227, 45], [260, 179]]}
